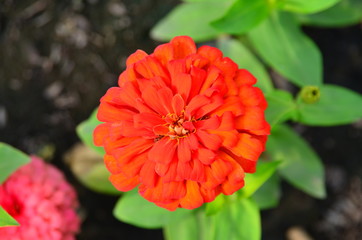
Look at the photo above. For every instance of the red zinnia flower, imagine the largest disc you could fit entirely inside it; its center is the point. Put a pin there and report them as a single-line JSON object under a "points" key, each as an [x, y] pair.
{"points": [[184, 124]]}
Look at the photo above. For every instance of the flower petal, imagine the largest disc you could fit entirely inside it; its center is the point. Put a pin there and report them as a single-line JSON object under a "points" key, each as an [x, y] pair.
{"points": [[220, 169], [206, 156], [210, 141], [133, 168], [112, 164], [165, 95], [248, 147], [232, 104], [135, 57], [150, 67], [253, 121], [163, 151], [183, 150], [211, 123], [184, 170], [183, 46], [129, 75], [181, 84], [172, 174], [174, 190], [210, 53], [193, 198], [100, 134], [178, 104], [252, 96], [123, 183], [198, 171], [147, 120], [198, 76], [126, 154], [195, 103], [148, 175], [164, 53], [244, 77], [229, 68], [112, 113], [209, 194], [151, 97], [212, 75]]}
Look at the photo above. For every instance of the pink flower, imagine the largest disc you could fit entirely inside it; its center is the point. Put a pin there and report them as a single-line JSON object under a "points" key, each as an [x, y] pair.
{"points": [[39, 198]]}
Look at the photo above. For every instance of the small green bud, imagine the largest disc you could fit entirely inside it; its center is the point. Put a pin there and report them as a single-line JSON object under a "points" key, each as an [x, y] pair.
{"points": [[310, 94]]}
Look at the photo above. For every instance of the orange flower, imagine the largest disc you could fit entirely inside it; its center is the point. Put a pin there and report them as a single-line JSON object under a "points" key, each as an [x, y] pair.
{"points": [[185, 124]]}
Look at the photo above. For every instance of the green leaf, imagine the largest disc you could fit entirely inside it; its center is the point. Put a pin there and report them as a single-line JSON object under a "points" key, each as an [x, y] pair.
{"points": [[344, 13], [306, 6], [242, 16], [185, 229], [288, 50], [237, 220], [281, 107], [133, 209], [85, 132], [215, 206], [268, 195], [337, 105], [6, 220], [245, 59], [254, 181], [10, 160], [192, 19], [300, 166]]}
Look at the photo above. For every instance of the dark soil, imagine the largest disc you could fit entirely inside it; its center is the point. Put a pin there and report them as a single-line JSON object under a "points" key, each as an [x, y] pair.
{"points": [[59, 57]]}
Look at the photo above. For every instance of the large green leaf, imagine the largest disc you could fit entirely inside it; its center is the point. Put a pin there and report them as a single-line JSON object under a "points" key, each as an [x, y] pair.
{"points": [[306, 6], [337, 105], [6, 220], [85, 132], [300, 166], [192, 19], [238, 220], [344, 13], [254, 181], [185, 229], [245, 59], [133, 209], [281, 107], [268, 195], [10, 160], [288, 50], [242, 16], [216, 205]]}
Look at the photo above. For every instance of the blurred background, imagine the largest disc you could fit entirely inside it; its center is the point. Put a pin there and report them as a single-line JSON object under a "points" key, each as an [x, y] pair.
{"points": [[57, 58]]}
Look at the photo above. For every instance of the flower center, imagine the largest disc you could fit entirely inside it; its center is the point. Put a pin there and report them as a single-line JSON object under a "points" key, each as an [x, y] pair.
{"points": [[177, 130], [175, 127]]}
